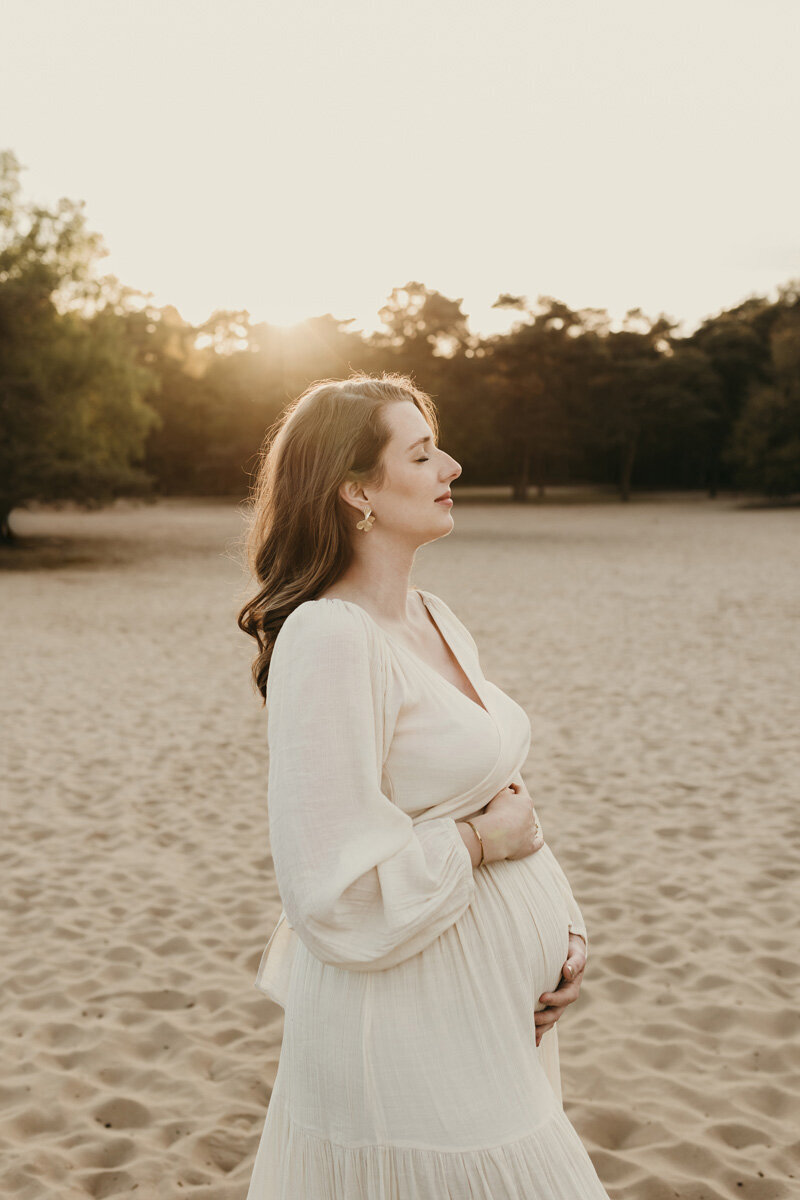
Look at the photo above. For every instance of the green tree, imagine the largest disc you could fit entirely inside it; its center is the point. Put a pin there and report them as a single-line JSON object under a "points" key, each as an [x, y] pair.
{"points": [[764, 449], [737, 348], [417, 314], [72, 418], [536, 374], [629, 390]]}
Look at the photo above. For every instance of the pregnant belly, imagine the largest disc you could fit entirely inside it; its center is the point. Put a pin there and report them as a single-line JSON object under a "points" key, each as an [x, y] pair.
{"points": [[521, 902], [440, 1048]]}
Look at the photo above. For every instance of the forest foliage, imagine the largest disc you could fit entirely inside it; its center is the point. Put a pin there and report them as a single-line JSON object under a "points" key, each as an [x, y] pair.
{"points": [[103, 394]]}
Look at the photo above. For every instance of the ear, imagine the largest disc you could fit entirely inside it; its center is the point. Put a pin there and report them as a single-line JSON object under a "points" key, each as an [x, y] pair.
{"points": [[353, 493]]}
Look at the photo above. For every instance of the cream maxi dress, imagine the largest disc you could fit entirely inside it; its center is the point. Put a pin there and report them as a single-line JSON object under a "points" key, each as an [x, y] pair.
{"points": [[409, 1068]]}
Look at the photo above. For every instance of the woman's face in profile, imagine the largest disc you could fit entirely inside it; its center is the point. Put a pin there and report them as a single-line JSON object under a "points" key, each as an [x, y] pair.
{"points": [[417, 472]]}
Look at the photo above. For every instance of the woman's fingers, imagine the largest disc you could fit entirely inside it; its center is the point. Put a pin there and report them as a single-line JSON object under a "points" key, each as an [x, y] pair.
{"points": [[576, 958], [545, 1020], [546, 1017], [573, 969], [565, 993], [575, 963]]}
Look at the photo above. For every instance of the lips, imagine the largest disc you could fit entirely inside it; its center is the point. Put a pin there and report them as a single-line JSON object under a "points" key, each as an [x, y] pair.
{"points": [[445, 496]]}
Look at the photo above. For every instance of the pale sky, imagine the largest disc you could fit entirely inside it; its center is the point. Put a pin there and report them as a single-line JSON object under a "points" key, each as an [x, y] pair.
{"points": [[294, 158]]}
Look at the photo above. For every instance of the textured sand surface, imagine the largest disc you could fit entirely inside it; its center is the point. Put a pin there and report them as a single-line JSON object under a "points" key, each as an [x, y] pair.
{"points": [[655, 647]]}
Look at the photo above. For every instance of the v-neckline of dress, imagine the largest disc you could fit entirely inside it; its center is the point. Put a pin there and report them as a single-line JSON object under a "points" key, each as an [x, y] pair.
{"points": [[482, 707]]}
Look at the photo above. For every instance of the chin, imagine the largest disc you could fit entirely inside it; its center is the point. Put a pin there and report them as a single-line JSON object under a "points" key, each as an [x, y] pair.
{"points": [[443, 529]]}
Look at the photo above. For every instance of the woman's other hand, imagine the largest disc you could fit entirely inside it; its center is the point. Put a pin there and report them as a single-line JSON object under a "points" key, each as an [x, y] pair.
{"points": [[568, 988], [512, 823]]}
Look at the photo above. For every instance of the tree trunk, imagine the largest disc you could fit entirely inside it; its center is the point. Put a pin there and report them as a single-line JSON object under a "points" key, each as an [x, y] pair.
{"points": [[713, 478], [521, 483], [628, 457], [7, 537], [539, 475]]}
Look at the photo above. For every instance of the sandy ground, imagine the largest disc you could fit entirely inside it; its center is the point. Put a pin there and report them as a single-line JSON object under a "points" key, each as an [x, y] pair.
{"points": [[659, 664]]}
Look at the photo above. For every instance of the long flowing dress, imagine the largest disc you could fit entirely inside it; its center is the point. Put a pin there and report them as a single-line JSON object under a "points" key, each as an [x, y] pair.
{"points": [[409, 1068]]}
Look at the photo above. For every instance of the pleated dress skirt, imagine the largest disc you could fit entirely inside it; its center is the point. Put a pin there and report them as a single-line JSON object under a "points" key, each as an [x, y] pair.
{"points": [[424, 1081]]}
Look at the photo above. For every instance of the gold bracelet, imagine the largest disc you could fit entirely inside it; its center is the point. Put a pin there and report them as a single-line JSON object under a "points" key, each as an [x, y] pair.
{"points": [[480, 839]]}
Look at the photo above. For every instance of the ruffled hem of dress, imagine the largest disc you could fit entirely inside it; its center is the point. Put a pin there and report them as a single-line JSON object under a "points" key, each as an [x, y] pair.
{"points": [[550, 1163]]}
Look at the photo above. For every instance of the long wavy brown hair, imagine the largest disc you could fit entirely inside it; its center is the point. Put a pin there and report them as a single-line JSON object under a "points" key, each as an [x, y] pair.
{"points": [[300, 536]]}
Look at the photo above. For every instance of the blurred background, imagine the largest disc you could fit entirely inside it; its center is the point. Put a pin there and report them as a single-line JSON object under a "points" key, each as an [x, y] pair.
{"points": [[576, 227]]}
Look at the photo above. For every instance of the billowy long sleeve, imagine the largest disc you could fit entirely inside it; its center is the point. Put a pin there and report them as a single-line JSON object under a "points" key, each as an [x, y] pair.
{"points": [[363, 887]]}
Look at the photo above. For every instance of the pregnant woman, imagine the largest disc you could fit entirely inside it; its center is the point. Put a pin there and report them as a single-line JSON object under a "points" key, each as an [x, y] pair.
{"points": [[429, 940]]}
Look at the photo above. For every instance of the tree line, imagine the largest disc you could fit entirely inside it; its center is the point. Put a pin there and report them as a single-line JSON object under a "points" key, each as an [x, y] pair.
{"points": [[103, 394]]}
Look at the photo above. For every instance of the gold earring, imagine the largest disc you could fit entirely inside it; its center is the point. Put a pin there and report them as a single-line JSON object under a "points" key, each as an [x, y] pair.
{"points": [[366, 524]]}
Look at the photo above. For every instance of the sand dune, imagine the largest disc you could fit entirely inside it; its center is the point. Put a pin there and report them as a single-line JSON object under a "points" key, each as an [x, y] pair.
{"points": [[659, 667]]}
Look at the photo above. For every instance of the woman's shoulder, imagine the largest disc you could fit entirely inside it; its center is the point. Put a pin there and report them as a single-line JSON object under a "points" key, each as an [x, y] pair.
{"points": [[315, 624], [328, 645]]}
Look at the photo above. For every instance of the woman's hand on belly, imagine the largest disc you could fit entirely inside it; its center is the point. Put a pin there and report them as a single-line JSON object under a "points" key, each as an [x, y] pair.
{"points": [[567, 990], [510, 823]]}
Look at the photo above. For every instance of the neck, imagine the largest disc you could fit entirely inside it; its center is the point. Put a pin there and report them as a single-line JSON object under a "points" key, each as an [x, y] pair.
{"points": [[381, 586]]}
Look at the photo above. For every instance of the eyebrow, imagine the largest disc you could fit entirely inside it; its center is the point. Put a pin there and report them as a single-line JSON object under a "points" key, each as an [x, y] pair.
{"points": [[419, 442]]}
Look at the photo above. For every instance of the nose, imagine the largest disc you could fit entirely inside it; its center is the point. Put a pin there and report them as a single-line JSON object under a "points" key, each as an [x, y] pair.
{"points": [[454, 474]]}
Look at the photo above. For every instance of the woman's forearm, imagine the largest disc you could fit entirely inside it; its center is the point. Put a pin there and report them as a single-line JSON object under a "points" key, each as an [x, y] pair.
{"points": [[470, 840], [490, 833]]}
